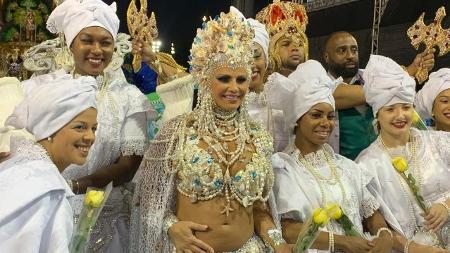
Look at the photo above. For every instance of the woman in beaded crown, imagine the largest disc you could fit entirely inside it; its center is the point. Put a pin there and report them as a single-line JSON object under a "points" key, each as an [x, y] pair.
{"points": [[206, 176]]}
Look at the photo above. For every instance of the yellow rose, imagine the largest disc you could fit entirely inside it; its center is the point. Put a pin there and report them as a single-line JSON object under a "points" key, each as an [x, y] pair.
{"points": [[400, 164], [94, 198], [320, 216], [415, 118], [334, 211]]}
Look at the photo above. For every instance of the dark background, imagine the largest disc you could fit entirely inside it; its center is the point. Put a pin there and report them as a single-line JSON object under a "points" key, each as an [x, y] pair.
{"points": [[178, 20]]}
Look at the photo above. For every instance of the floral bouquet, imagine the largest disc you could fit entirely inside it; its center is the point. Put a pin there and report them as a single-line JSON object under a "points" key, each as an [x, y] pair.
{"points": [[417, 122], [92, 206], [310, 230]]}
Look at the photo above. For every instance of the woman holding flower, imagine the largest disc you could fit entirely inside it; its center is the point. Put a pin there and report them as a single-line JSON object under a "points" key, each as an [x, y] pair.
{"points": [[36, 215], [412, 167], [311, 180]]}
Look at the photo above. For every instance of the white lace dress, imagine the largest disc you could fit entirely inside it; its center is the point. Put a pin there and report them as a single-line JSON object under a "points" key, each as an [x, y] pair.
{"points": [[297, 193], [273, 120], [432, 174], [35, 214], [122, 115]]}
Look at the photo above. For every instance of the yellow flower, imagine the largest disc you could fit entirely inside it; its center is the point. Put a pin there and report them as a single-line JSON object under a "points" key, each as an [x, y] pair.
{"points": [[320, 216], [415, 118], [400, 164], [94, 198], [334, 211]]}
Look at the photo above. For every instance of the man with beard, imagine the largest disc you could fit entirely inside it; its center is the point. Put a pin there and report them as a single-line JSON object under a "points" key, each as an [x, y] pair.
{"points": [[354, 130]]}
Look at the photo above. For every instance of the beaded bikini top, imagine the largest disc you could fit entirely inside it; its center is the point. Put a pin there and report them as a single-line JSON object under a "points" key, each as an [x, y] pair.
{"points": [[201, 176]]}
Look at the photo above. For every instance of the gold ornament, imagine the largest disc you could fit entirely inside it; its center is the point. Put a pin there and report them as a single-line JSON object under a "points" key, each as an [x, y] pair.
{"points": [[141, 27], [431, 35], [284, 20]]}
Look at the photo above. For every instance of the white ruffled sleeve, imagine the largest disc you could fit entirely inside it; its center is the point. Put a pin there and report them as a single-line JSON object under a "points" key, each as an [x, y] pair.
{"points": [[441, 140], [134, 130], [289, 198], [369, 203]]}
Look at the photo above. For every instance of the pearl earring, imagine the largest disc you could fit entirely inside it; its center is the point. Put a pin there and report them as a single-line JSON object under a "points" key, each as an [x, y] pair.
{"points": [[50, 139]]}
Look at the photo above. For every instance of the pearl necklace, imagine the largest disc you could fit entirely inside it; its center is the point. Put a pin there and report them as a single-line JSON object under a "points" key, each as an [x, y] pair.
{"points": [[319, 178], [405, 188]]}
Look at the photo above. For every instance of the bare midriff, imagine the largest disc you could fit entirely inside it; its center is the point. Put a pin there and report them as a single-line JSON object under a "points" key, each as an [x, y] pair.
{"points": [[224, 233]]}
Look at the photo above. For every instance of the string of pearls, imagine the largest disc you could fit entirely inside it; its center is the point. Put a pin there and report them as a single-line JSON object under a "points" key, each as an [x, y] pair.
{"points": [[403, 183], [321, 180]]}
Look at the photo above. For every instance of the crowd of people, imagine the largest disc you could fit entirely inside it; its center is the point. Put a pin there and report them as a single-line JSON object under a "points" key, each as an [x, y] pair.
{"points": [[257, 138]]}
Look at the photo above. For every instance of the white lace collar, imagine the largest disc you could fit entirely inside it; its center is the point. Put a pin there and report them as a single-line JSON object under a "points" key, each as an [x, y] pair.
{"points": [[28, 148]]}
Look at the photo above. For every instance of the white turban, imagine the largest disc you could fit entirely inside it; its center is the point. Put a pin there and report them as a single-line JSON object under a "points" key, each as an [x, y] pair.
{"points": [[49, 107], [72, 16], [386, 83], [261, 35], [307, 86], [437, 83]]}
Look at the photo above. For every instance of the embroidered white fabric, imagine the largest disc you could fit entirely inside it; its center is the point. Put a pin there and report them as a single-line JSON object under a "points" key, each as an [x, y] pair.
{"points": [[432, 174], [154, 196], [122, 116], [121, 131], [36, 216], [273, 120], [303, 194]]}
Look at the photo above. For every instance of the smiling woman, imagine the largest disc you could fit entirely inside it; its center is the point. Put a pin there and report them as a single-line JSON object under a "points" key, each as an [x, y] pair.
{"points": [[318, 177], [206, 177], [229, 87], [417, 210], [433, 100], [90, 28], [62, 116], [92, 50]]}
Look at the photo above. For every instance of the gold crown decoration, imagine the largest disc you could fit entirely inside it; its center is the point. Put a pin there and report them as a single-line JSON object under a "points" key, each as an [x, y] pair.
{"points": [[141, 27], [223, 41], [431, 35], [284, 19]]}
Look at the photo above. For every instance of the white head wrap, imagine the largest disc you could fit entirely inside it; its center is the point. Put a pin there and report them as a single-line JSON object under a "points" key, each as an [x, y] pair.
{"points": [[261, 35], [72, 16], [386, 83], [314, 87], [49, 107], [437, 83]]}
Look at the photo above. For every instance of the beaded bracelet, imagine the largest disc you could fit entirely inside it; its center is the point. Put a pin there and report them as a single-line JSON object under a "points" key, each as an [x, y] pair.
{"points": [[330, 241], [406, 248], [276, 236], [384, 229], [168, 222]]}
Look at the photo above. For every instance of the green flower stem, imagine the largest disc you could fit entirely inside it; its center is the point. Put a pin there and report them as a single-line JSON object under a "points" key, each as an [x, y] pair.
{"points": [[415, 190], [348, 226], [305, 241]]}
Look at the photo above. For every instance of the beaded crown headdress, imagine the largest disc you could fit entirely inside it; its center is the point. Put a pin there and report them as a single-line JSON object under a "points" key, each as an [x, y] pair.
{"points": [[285, 19], [223, 41]]}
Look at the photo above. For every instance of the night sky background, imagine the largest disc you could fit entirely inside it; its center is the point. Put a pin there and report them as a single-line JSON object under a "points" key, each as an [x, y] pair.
{"points": [[178, 20]]}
